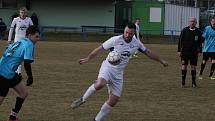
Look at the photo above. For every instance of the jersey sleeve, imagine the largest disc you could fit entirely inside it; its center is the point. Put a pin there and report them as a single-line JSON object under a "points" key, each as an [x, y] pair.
{"points": [[13, 23], [11, 29], [30, 22], [109, 43], [29, 53], [142, 48], [204, 35]]}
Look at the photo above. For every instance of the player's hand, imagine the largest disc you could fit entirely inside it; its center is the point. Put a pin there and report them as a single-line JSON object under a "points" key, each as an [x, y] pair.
{"points": [[29, 81], [84, 60], [165, 64], [179, 54]]}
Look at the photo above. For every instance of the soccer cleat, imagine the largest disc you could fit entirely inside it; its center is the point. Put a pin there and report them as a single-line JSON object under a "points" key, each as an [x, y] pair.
{"points": [[77, 103], [212, 78]]}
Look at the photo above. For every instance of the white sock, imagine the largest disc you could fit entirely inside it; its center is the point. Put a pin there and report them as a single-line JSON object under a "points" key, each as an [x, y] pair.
{"points": [[105, 109], [91, 90]]}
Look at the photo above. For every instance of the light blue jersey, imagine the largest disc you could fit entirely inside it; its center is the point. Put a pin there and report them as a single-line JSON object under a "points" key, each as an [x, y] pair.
{"points": [[209, 35], [14, 55]]}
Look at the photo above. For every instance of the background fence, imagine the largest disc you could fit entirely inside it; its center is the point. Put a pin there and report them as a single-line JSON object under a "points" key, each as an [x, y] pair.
{"points": [[98, 34], [93, 33]]}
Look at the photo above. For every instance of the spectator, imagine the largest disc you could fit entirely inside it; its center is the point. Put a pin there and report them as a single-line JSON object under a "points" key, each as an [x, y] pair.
{"points": [[3, 28], [34, 19]]}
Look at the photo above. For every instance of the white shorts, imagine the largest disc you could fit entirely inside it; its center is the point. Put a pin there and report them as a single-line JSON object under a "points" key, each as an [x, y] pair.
{"points": [[18, 37], [114, 78]]}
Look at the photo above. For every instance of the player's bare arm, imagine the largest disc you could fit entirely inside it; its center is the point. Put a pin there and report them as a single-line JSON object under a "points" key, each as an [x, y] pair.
{"points": [[10, 35], [92, 55], [155, 57]]}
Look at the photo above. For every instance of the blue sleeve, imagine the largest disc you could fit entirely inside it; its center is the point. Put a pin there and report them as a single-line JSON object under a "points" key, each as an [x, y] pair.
{"points": [[204, 35], [29, 52]]}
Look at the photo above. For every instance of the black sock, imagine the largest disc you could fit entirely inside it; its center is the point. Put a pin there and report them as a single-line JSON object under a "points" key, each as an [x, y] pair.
{"points": [[193, 73], [184, 73], [18, 106], [212, 69], [202, 68]]}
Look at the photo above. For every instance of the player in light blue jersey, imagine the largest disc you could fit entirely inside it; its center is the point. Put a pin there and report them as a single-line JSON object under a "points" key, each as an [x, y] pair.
{"points": [[209, 48], [15, 54]]}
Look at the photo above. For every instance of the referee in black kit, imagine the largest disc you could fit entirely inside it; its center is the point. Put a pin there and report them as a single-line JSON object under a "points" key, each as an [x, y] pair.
{"points": [[189, 45]]}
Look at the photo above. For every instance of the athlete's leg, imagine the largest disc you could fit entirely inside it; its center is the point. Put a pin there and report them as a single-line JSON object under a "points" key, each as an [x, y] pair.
{"points": [[212, 68], [99, 84], [23, 93], [204, 61], [193, 74], [107, 106]]}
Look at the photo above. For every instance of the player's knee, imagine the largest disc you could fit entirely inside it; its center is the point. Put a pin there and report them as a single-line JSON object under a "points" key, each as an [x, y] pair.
{"points": [[99, 84], [24, 94], [112, 101]]}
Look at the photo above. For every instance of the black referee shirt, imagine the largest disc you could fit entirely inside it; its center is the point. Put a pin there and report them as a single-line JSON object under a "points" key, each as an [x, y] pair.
{"points": [[190, 41]]}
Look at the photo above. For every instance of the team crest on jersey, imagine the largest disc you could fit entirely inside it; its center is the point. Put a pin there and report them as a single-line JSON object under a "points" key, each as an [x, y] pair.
{"points": [[121, 43], [126, 54]]}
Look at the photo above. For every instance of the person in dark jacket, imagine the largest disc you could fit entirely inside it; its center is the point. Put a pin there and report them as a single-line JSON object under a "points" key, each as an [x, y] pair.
{"points": [[3, 28], [189, 46]]}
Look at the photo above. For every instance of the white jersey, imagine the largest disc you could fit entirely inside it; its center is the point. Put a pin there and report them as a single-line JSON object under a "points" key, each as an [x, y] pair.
{"points": [[138, 31], [21, 27], [118, 44]]}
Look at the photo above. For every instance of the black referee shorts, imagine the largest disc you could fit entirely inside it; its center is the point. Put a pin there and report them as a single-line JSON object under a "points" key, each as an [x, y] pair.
{"points": [[207, 55], [192, 58], [6, 84]]}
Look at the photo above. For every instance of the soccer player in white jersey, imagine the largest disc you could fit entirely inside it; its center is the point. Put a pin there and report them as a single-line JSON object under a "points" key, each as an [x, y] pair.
{"points": [[137, 34], [137, 24], [21, 23], [112, 75]]}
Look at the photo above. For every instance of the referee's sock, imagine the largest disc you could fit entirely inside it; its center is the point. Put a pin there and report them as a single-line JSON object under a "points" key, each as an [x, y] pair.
{"points": [[193, 73], [183, 75]]}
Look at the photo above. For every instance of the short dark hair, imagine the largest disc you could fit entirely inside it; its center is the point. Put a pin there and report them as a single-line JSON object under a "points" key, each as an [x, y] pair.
{"points": [[212, 17], [131, 25], [32, 30]]}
